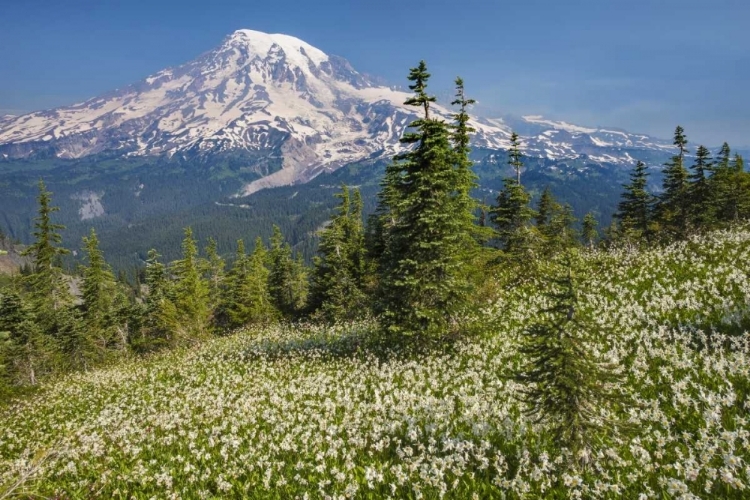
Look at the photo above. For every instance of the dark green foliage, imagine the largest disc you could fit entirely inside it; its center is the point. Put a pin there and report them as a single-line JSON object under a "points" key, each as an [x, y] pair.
{"points": [[515, 156], [214, 272], [512, 216], [555, 223], [338, 279], [423, 285], [715, 194], [47, 286], [673, 211], [731, 188], [191, 292], [247, 298], [634, 211], [29, 353], [544, 209], [702, 210], [102, 301], [589, 234], [287, 280], [5, 360], [160, 313], [565, 385]]}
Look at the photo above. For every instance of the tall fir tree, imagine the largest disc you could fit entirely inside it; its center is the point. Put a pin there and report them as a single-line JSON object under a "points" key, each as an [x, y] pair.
{"points": [[99, 294], [731, 185], [635, 208], [214, 271], [512, 213], [588, 230], [29, 352], [423, 288], [337, 281], [740, 193], [515, 157], [262, 310], [701, 209], [191, 292], [464, 206], [287, 281], [720, 184], [554, 223], [247, 298], [560, 232], [48, 288], [673, 209], [544, 210], [160, 320]]}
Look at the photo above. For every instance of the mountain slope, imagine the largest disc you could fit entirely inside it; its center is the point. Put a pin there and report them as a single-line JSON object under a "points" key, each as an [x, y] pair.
{"points": [[268, 97]]}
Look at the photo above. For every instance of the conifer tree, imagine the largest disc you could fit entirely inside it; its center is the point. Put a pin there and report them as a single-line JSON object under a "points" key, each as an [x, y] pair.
{"points": [[214, 272], [247, 296], [286, 280], [5, 374], [29, 352], [99, 293], [555, 224], [545, 208], [589, 232], [515, 156], [673, 207], [701, 209], [560, 232], [337, 281], [231, 312], [740, 194], [512, 216], [634, 211], [720, 184], [48, 289], [732, 186], [262, 310], [191, 292], [160, 314], [566, 385], [423, 286], [464, 204], [461, 138]]}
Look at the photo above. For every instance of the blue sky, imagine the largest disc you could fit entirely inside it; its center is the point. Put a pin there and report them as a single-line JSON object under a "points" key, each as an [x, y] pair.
{"points": [[643, 65]]}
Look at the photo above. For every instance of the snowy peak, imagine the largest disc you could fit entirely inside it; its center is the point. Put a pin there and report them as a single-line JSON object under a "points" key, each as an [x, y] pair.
{"points": [[277, 46], [270, 96]]}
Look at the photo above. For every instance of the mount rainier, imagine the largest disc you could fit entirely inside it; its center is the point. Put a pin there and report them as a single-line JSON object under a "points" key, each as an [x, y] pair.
{"points": [[276, 97]]}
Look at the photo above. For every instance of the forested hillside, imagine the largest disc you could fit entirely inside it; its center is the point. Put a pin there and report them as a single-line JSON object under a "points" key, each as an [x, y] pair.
{"points": [[442, 345]]}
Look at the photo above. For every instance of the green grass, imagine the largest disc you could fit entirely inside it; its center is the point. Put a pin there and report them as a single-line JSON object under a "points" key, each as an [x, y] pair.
{"points": [[312, 412]]}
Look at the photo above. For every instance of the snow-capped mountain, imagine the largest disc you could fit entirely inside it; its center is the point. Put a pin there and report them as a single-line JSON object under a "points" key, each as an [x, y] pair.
{"points": [[278, 96]]}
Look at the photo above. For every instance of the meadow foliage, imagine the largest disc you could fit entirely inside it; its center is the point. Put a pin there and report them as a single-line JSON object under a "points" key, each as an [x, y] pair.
{"points": [[310, 411]]}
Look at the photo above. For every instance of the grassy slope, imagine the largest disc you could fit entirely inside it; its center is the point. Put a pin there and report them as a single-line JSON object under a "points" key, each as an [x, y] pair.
{"points": [[289, 412]]}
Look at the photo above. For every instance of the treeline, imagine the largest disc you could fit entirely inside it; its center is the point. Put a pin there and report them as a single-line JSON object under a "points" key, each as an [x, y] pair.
{"points": [[712, 193], [414, 265]]}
